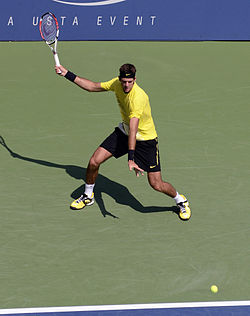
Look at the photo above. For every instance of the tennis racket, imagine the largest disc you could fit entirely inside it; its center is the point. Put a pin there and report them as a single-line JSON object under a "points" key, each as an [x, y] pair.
{"points": [[49, 30]]}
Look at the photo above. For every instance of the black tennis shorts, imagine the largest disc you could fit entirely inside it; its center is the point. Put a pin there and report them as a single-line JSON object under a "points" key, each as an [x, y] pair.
{"points": [[146, 152]]}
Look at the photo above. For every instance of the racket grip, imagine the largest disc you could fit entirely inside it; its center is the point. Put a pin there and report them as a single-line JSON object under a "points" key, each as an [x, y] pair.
{"points": [[57, 62]]}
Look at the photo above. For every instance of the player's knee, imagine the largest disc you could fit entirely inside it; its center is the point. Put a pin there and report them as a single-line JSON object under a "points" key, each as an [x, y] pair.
{"points": [[156, 185], [93, 163]]}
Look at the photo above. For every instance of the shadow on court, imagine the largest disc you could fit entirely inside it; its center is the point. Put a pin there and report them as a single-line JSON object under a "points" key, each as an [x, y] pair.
{"points": [[103, 185]]}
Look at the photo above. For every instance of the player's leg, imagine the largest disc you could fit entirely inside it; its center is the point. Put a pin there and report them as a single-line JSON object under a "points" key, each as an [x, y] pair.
{"points": [[99, 156], [148, 158], [116, 144], [156, 182], [87, 199]]}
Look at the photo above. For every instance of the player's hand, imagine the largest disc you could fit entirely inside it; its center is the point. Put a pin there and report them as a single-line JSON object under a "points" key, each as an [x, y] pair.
{"points": [[60, 70], [133, 166]]}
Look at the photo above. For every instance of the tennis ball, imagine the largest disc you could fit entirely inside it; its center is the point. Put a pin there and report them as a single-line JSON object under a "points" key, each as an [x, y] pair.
{"points": [[214, 289]]}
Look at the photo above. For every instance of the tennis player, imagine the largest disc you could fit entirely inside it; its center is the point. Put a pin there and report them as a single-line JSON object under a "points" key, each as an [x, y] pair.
{"points": [[135, 136]]}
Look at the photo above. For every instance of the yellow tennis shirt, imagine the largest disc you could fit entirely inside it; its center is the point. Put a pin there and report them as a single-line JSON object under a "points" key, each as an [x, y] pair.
{"points": [[133, 104]]}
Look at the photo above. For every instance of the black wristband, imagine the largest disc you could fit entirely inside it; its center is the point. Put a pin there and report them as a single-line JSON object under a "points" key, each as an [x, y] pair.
{"points": [[70, 76], [131, 154]]}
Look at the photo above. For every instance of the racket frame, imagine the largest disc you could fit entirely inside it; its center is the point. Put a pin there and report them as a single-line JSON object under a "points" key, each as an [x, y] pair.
{"points": [[52, 44]]}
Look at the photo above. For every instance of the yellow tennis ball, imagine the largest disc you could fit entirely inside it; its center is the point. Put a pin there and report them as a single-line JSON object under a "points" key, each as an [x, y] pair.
{"points": [[214, 289]]}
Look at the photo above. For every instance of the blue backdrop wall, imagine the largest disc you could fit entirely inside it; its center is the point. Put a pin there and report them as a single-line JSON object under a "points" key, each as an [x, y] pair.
{"points": [[129, 19]]}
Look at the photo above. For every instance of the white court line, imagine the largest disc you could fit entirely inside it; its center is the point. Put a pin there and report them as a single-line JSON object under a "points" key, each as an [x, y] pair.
{"points": [[121, 307]]}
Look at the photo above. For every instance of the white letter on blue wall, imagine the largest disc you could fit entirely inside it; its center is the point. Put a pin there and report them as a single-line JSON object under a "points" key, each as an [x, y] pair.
{"points": [[153, 17], [63, 18], [10, 22], [35, 20], [75, 21], [125, 20], [99, 20], [139, 20], [112, 20]]}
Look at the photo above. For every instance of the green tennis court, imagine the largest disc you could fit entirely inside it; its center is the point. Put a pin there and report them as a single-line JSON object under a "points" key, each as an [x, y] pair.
{"points": [[130, 246]]}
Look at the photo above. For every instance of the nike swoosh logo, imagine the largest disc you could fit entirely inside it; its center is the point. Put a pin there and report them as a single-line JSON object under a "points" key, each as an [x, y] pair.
{"points": [[151, 167], [104, 2]]}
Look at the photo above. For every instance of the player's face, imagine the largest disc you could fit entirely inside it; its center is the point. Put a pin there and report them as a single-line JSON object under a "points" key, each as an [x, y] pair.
{"points": [[127, 84]]}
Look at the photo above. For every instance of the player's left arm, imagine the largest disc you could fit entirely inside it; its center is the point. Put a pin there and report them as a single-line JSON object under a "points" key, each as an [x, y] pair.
{"points": [[133, 128]]}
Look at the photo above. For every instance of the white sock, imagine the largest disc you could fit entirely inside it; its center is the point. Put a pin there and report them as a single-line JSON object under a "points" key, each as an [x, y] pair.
{"points": [[178, 198], [89, 189]]}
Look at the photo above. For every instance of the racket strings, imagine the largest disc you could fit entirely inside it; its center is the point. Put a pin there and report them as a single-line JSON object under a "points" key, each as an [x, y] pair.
{"points": [[48, 29]]}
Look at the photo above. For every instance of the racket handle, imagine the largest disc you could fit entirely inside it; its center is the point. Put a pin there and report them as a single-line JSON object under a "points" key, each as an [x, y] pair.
{"points": [[57, 62], [56, 59]]}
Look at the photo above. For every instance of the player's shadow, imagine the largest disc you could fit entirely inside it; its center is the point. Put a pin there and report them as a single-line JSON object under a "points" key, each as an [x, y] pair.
{"points": [[103, 185]]}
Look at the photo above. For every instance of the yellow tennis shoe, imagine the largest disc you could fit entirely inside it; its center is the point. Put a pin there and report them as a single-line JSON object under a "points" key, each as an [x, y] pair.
{"points": [[82, 201], [185, 211]]}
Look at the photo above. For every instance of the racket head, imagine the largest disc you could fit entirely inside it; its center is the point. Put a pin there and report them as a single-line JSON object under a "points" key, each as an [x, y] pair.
{"points": [[49, 28]]}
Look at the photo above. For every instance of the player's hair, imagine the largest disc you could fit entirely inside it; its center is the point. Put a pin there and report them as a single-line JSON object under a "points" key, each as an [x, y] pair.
{"points": [[127, 71]]}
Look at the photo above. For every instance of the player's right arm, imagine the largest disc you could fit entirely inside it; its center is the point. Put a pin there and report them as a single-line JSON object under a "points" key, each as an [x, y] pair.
{"points": [[133, 128], [83, 83], [88, 85]]}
